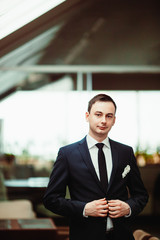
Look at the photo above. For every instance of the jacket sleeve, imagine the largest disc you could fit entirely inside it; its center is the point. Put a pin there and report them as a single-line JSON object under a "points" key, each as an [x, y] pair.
{"points": [[54, 198], [138, 195]]}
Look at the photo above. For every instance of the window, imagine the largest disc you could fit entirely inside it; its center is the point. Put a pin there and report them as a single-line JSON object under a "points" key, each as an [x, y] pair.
{"points": [[16, 13], [41, 122]]}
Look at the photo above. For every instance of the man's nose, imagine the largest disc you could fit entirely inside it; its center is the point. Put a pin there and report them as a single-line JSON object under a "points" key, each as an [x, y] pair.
{"points": [[103, 119]]}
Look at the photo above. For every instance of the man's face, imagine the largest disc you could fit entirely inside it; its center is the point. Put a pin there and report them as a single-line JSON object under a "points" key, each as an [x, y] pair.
{"points": [[101, 119]]}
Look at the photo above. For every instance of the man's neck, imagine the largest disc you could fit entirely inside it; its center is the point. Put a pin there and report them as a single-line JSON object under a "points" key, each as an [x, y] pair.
{"points": [[98, 138]]}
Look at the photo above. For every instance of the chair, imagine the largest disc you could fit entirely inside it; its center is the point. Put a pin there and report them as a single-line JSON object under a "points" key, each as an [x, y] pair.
{"points": [[154, 238], [140, 234], [12, 209]]}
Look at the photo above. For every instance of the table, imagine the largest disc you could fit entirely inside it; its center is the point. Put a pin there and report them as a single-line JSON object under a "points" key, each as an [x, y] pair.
{"points": [[32, 189], [33, 182], [28, 229]]}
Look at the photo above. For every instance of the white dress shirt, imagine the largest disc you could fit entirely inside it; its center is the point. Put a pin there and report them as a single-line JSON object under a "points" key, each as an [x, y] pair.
{"points": [[93, 150]]}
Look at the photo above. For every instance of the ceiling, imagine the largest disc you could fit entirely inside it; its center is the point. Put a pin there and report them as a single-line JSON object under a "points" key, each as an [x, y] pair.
{"points": [[111, 44]]}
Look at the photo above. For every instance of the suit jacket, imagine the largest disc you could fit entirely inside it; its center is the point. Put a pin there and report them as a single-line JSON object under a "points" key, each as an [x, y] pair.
{"points": [[74, 168]]}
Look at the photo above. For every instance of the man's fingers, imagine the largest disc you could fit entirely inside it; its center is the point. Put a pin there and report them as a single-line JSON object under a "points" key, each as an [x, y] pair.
{"points": [[113, 203], [114, 216], [97, 208], [102, 207], [118, 208], [101, 202], [114, 208], [103, 213]]}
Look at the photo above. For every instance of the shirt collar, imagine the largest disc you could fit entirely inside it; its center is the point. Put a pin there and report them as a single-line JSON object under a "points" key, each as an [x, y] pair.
{"points": [[92, 142]]}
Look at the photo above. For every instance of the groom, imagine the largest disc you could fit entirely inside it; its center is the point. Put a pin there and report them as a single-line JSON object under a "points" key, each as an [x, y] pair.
{"points": [[105, 185]]}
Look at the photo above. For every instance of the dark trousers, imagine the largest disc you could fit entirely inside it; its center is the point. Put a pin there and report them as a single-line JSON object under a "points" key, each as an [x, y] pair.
{"points": [[110, 235], [114, 236]]}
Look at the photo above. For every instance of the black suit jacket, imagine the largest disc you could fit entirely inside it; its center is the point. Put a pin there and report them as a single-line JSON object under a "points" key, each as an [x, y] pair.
{"points": [[74, 168]]}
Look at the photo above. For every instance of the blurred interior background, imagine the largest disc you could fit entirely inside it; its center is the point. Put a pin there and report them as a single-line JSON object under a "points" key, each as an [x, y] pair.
{"points": [[54, 56]]}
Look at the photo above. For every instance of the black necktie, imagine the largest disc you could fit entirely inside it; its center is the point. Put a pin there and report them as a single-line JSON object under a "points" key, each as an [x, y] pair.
{"points": [[102, 166]]}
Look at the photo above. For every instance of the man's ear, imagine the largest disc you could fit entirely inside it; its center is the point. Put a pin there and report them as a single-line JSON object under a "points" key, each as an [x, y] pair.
{"points": [[87, 115]]}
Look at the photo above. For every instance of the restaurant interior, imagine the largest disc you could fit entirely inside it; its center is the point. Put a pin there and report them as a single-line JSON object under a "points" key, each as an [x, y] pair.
{"points": [[55, 56]]}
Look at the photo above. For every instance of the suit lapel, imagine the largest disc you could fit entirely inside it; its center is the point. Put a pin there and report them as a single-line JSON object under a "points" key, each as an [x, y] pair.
{"points": [[83, 148], [114, 161]]}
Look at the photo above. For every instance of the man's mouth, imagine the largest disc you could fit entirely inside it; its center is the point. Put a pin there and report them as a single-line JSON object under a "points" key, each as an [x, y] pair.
{"points": [[102, 128]]}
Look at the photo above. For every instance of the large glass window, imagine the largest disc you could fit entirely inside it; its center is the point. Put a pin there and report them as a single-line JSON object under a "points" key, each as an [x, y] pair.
{"points": [[39, 122], [16, 13]]}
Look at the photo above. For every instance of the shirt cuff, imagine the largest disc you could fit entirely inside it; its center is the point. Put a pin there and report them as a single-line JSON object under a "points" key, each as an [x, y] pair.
{"points": [[130, 212], [84, 213]]}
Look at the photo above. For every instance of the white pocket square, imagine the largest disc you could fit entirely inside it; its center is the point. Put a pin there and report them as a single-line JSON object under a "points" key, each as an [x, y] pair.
{"points": [[126, 171]]}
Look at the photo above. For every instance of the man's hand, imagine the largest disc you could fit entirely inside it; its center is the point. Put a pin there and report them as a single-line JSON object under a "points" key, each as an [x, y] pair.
{"points": [[97, 208], [118, 208]]}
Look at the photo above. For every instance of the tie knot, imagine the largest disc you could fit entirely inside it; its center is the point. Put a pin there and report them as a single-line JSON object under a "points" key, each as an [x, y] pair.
{"points": [[100, 145]]}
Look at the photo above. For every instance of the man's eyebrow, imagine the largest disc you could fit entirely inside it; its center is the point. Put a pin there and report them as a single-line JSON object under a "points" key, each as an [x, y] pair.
{"points": [[98, 112], [106, 114]]}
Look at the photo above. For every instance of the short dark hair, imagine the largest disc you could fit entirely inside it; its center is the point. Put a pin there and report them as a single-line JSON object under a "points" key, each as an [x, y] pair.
{"points": [[101, 98]]}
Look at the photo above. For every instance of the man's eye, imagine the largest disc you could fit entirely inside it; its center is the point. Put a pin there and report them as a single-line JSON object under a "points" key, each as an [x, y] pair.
{"points": [[98, 115]]}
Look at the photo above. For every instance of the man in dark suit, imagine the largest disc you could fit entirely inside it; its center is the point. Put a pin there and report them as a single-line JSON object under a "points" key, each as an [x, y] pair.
{"points": [[104, 198]]}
